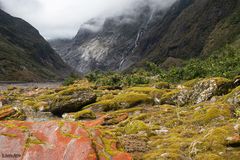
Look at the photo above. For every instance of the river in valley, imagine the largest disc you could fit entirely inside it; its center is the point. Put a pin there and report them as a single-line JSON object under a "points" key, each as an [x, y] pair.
{"points": [[5, 85]]}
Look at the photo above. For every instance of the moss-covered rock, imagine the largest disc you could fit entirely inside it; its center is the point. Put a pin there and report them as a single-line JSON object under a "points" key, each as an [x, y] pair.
{"points": [[233, 98], [84, 114], [10, 113], [66, 103], [121, 101], [179, 96], [207, 88], [197, 91]]}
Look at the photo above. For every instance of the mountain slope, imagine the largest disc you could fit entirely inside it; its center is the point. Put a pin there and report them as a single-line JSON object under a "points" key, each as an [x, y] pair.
{"points": [[24, 53], [187, 29], [191, 31], [107, 47]]}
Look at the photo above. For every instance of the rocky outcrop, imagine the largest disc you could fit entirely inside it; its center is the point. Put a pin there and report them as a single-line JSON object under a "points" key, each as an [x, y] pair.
{"points": [[25, 55], [57, 140], [201, 91], [72, 102]]}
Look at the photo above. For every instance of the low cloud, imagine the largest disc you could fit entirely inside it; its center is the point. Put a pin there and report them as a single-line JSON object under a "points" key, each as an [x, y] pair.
{"points": [[62, 18]]}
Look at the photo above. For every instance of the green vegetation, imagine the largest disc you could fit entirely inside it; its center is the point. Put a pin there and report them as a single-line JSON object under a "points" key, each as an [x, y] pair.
{"points": [[117, 79], [221, 63], [70, 79], [135, 126]]}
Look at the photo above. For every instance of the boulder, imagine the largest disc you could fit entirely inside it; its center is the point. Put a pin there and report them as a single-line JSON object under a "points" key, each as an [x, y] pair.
{"points": [[202, 90], [57, 140], [207, 88], [71, 102]]}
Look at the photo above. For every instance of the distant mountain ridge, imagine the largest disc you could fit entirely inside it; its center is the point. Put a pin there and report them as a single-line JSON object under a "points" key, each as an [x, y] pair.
{"points": [[189, 28], [25, 55]]}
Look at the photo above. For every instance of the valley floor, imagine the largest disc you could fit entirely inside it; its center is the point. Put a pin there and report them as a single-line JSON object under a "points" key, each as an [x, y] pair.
{"points": [[197, 119]]}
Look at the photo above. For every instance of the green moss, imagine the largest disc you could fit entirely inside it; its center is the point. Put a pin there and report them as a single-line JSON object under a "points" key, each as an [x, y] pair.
{"points": [[9, 135], [60, 124], [192, 82], [105, 97], [215, 139], [145, 90], [135, 126], [205, 113], [84, 114], [141, 116], [109, 141], [69, 135], [148, 90], [29, 103], [208, 156], [24, 128], [163, 154], [129, 110], [35, 104], [169, 97], [121, 101], [33, 141]]}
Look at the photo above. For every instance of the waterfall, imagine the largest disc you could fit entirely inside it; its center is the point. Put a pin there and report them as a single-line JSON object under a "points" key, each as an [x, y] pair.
{"points": [[138, 38]]}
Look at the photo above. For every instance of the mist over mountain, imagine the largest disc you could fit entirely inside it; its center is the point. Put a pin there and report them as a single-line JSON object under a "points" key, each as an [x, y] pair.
{"points": [[104, 43], [147, 32], [62, 18]]}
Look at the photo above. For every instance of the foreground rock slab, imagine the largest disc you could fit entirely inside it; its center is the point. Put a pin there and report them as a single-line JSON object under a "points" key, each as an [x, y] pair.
{"points": [[56, 140]]}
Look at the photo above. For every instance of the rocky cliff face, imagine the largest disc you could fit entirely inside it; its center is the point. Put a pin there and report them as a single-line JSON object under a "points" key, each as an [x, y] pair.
{"points": [[108, 47], [187, 29], [24, 53]]}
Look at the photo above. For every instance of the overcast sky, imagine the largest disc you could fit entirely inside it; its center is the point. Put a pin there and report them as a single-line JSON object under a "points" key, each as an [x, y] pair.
{"points": [[62, 18]]}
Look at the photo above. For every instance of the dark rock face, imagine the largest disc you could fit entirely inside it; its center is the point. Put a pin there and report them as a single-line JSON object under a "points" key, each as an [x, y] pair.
{"points": [[24, 53], [185, 30]]}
